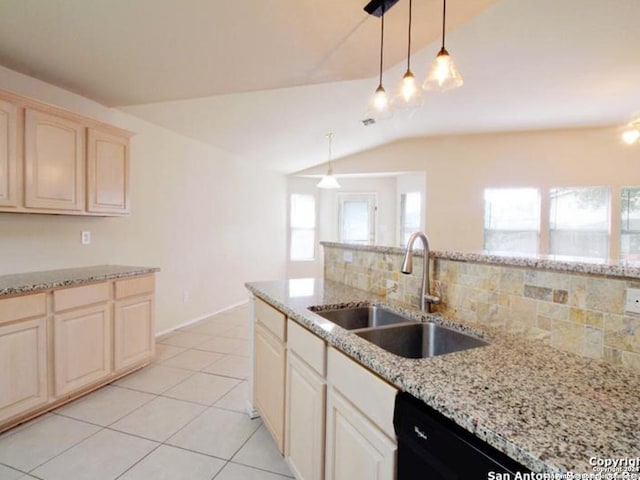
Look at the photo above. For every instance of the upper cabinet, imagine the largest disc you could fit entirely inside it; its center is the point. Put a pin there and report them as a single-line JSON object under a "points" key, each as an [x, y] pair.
{"points": [[107, 172], [55, 161], [8, 154]]}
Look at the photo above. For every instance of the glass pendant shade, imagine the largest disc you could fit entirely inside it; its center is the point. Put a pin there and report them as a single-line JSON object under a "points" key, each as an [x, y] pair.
{"points": [[408, 94], [379, 105], [443, 74], [328, 181], [631, 135]]}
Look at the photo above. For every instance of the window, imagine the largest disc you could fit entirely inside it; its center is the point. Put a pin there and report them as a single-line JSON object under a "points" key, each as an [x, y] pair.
{"points": [[512, 220], [410, 214], [303, 227], [579, 221], [356, 218], [630, 224]]}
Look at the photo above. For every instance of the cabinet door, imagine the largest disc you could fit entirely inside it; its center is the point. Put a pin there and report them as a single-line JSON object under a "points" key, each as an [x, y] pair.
{"points": [[54, 162], [82, 347], [133, 332], [23, 367], [8, 154], [305, 407], [268, 382], [107, 173], [356, 448]]}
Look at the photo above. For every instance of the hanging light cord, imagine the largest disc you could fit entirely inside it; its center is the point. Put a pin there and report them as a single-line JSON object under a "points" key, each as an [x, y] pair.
{"points": [[330, 137], [444, 15], [409, 42], [381, 45]]}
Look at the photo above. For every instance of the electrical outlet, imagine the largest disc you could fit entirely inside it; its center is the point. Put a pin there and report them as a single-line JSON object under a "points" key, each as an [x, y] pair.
{"points": [[85, 238], [633, 301], [347, 256], [185, 296]]}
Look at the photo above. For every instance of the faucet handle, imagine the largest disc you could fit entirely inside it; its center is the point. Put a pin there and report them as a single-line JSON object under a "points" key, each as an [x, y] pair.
{"points": [[432, 299]]}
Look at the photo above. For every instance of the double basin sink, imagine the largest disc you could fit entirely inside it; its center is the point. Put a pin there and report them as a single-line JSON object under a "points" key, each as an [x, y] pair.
{"points": [[398, 334]]}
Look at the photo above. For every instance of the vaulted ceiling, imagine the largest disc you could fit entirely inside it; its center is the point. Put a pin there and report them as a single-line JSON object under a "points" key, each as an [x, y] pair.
{"points": [[266, 79]]}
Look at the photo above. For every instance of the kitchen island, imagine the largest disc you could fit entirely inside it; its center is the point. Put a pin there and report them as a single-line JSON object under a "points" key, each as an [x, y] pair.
{"points": [[549, 410]]}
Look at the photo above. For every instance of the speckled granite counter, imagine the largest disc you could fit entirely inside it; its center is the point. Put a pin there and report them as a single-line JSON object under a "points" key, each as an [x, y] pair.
{"points": [[32, 282], [549, 410], [556, 263]]}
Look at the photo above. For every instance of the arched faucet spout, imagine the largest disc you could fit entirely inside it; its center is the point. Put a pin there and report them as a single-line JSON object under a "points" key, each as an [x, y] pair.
{"points": [[426, 299]]}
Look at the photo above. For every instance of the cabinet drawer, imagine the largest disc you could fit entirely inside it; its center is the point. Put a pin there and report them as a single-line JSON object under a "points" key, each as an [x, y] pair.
{"points": [[372, 395], [271, 318], [134, 286], [307, 346], [81, 296], [17, 308]]}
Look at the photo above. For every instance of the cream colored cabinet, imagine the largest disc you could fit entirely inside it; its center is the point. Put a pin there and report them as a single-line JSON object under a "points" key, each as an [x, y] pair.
{"points": [[107, 172], [8, 154], [356, 448], [360, 439], [81, 337], [305, 403], [133, 322], [54, 162], [57, 162], [63, 343], [269, 369], [23, 354]]}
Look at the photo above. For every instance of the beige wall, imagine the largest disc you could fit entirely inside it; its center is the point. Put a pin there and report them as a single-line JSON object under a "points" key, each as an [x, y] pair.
{"points": [[458, 168], [198, 213]]}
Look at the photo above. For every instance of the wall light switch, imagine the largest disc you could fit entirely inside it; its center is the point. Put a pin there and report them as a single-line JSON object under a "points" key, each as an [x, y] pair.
{"points": [[85, 238], [347, 256], [633, 301]]}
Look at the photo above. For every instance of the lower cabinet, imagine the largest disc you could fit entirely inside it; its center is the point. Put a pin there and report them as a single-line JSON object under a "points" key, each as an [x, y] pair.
{"points": [[23, 366], [133, 320], [330, 416], [269, 381], [356, 448], [361, 441], [305, 403], [62, 343], [81, 347]]}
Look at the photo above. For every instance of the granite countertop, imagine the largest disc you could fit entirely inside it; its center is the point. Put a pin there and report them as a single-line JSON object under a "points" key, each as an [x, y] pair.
{"points": [[549, 410], [20, 283], [557, 263]]}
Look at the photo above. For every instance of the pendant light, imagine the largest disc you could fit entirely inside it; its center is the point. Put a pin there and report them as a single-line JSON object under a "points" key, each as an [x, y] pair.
{"points": [[443, 74], [408, 95], [379, 106], [328, 180]]}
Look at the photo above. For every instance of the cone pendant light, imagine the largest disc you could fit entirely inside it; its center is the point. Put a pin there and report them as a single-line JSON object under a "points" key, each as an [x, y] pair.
{"points": [[443, 74]]}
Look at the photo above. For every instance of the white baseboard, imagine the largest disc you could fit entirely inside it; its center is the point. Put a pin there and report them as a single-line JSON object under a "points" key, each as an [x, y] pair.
{"points": [[196, 320]]}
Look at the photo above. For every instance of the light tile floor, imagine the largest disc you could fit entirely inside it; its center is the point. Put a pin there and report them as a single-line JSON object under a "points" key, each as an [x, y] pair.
{"points": [[181, 418]]}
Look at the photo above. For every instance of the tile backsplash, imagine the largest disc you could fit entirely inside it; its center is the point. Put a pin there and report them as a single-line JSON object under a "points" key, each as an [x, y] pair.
{"points": [[578, 312]]}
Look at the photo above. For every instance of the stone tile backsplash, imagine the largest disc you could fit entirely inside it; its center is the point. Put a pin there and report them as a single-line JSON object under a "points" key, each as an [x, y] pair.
{"points": [[575, 312]]}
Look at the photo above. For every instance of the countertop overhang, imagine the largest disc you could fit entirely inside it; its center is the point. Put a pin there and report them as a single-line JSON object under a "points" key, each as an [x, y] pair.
{"points": [[552, 411]]}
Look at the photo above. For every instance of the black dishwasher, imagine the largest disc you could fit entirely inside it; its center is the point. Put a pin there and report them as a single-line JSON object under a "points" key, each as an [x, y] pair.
{"points": [[432, 447]]}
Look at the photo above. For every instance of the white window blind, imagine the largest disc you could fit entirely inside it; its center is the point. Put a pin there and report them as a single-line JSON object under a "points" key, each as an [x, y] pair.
{"points": [[630, 224]]}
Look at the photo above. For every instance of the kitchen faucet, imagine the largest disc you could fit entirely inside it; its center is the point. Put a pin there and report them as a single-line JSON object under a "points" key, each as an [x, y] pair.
{"points": [[426, 299]]}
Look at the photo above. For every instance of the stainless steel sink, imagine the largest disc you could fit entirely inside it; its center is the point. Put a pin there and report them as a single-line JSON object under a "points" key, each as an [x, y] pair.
{"points": [[363, 317], [421, 340]]}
